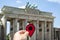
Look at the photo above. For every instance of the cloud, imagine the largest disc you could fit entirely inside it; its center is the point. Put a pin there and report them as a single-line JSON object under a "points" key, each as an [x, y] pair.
{"points": [[18, 1], [22, 7], [56, 1]]}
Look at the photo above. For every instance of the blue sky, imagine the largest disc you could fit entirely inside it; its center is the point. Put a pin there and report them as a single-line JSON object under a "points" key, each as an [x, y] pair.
{"points": [[43, 5]]}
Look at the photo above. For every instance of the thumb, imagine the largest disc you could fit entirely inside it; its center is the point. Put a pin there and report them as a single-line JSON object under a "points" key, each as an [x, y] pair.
{"points": [[24, 36], [26, 33]]}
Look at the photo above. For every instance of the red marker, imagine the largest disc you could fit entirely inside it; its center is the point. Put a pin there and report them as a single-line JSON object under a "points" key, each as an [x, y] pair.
{"points": [[30, 28]]}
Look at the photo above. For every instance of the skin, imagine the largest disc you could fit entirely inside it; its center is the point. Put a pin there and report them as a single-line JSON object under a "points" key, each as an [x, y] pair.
{"points": [[21, 35]]}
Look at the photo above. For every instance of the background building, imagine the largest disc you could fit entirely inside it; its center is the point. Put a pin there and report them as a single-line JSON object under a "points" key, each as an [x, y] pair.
{"points": [[56, 33], [43, 22]]}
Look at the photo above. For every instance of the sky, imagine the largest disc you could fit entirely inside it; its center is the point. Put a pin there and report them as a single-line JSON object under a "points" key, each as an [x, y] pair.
{"points": [[43, 5]]}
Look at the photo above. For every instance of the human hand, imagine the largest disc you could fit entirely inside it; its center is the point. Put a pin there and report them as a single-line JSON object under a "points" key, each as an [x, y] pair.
{"points": [[21, 35]]}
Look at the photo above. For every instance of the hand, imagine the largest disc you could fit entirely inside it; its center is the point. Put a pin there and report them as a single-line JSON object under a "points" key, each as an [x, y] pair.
{"points": [[21, 35]]}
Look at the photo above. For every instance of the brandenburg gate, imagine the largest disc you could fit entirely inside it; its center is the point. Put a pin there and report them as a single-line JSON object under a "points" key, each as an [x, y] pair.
{"points": [[19, 18]]}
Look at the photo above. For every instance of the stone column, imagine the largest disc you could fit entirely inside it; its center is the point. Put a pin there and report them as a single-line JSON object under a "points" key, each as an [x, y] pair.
{"points": [[45, 31], [37, 30], [34, 35], [1, 29], [43, 28], [25, 23], [0, 32], [11, 29], [5, 28], [4, 22], [50, 30], [20, 25], [15, 25]]}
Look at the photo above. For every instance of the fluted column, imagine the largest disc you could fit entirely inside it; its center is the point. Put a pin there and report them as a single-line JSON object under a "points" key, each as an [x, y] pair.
{"points": [[5, 29], [11, 29], [4, 22], [43, 29], [35, 24], [34, 35], [50, 30], [25, 23], [20, 25], [0, 32], [15, 25], [37, 30]]}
